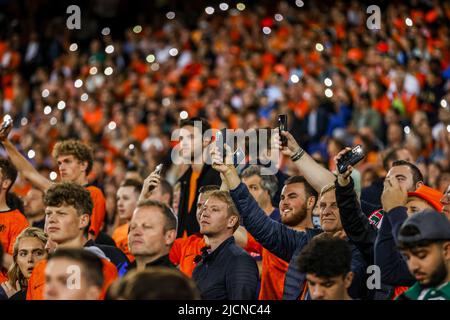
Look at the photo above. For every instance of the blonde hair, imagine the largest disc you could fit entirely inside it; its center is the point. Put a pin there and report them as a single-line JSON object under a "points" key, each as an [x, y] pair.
{"points": [[224, 196], [327, 188], [14, 273]]}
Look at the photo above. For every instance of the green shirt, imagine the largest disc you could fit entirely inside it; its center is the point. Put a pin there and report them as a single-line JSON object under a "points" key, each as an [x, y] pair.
{"points": [[416, 292]]}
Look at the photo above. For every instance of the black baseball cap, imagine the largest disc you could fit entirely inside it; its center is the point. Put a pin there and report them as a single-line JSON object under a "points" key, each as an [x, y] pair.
{"points": [[431, 225]]}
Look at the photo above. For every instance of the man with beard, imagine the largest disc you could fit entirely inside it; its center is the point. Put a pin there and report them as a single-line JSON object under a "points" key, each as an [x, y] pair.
{"points": [[297, 201], [424, 239]]}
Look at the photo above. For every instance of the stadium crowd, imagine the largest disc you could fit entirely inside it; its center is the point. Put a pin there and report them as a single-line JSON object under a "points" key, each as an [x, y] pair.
{"points": [[94, 112]]}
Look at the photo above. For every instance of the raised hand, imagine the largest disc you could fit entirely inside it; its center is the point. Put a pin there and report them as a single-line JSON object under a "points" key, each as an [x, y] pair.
{"points": [[393, 195], [344, 178], [292, 145]]}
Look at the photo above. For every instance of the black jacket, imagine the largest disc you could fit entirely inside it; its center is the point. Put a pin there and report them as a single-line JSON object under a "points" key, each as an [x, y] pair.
{"points": [[227, 273], [361, 233], [287, 243], [187, 221], [117, 257], [355, 223], [394, 270], [163, 261]]}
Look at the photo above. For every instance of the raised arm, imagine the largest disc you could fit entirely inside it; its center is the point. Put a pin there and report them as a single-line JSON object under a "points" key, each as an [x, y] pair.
{"points": [[314, 173], [274, 236], [354, 221], [25, 167]]}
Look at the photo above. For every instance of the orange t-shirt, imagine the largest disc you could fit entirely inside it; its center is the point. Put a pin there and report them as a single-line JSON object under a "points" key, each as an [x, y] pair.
{"points": [[12, 223], [35, 290], [99, 209], [120, 237], [184, 251], [273, 271]]}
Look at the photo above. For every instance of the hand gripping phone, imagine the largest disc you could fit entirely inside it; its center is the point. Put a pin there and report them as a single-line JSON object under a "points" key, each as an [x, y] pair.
{"points": [[350, 158], [282, 126]]}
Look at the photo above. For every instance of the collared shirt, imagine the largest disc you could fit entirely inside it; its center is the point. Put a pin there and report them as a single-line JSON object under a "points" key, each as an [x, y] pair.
{"points": [[417, 292], [227, 273], [163, 261]]}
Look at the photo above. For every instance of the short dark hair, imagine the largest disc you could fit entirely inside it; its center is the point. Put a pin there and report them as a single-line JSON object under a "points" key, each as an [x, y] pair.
{"points": [[417, 175], [136, 185], [146, 285], [191, 122], [326, 257], [169, 216], [92, 264], [14, 202], [8, 171], [391, 155], [69, 193], [208, 188], [166, 188], [309, 190]]}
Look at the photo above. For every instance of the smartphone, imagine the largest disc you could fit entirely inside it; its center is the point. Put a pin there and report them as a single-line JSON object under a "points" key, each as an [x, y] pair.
{"points": [[350, 158], [282, 126], [220, 142], [6, 124], [158, 170], [238, 157]]}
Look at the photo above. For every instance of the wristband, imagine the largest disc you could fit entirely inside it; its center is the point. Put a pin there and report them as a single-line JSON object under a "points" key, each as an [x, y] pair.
{"points": [[296, 156]]}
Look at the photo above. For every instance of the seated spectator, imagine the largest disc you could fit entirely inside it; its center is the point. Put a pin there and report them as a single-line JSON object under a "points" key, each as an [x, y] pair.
{"points": [[424, 198], [34, 208], [68, 210], [127, 198], [73, 274], [326, 261], [29, 249], [151, 234], [424, 239], [225, 270]]}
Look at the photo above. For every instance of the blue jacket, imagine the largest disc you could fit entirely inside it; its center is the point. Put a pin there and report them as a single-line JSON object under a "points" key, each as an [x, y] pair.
{"points": [[287, 243], [227, 273], [394, 270]]}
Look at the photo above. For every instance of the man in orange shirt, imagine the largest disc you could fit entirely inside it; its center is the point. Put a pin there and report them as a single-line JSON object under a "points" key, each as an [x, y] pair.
{"points": [[68, 210], [74, 160], [12, 221], [185, 251], [127, 198]]}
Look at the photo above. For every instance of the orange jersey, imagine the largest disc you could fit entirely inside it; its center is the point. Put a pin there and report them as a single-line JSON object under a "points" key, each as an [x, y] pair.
{"points": [[12, 223], [184, 251], [35, 290], [120, 237], [273, 271], [98, 211]]}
